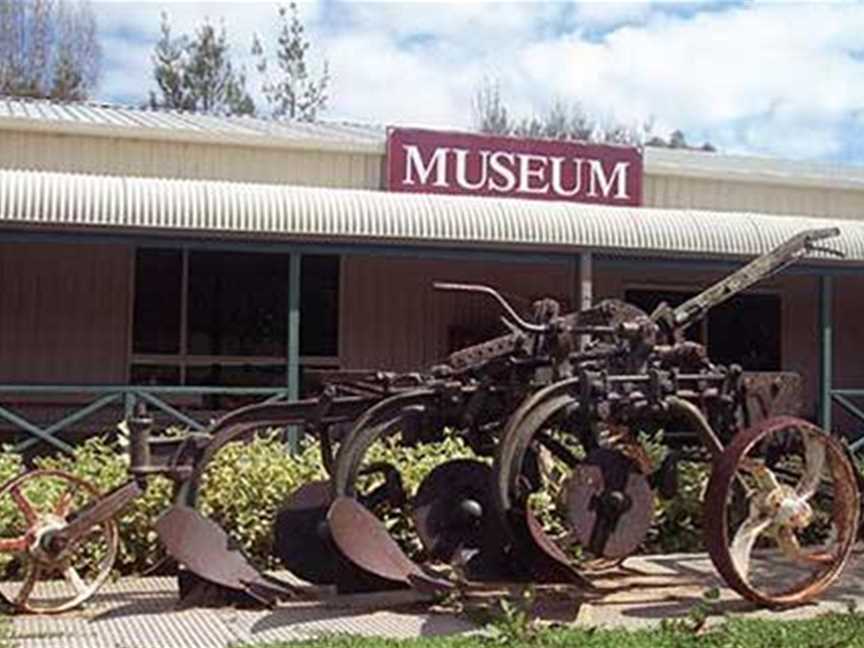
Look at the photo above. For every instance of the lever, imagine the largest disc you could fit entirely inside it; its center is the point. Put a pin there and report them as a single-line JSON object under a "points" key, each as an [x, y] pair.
{"points": [[528, 327]]}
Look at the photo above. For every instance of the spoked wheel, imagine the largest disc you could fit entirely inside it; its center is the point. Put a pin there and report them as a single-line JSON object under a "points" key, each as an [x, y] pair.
{"points": [[46, 575], [596, 499], [782, 512]]}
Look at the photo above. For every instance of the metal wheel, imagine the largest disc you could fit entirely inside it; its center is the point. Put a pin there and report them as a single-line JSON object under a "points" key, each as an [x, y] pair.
{"points": [[597, 498], [508, 465], [46, 575], [795, 531]]}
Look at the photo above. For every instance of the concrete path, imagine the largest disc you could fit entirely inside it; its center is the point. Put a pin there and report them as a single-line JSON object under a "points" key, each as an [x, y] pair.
{"points": [[142, 612]]}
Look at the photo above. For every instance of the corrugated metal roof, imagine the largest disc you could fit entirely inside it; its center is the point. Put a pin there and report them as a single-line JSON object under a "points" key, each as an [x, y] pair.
{"points": [[107, 120], [217, 209], [137, 122]]}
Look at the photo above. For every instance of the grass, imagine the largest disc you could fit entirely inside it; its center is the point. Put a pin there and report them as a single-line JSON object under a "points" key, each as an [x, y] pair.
{"points": [[833, 630]]}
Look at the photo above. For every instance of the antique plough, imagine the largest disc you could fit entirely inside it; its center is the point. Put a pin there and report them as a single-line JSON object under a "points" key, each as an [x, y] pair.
{"points": [[556, 412]]}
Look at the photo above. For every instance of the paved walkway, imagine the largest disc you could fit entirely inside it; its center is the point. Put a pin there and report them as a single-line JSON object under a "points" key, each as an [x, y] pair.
{"points": [[142, 612]]}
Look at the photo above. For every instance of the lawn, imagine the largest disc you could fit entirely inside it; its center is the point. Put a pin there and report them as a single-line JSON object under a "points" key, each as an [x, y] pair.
{"points": [[829, 631]]}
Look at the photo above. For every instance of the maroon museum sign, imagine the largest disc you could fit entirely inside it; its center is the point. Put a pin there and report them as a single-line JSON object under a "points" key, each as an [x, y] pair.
{"points": [[460, 163]]}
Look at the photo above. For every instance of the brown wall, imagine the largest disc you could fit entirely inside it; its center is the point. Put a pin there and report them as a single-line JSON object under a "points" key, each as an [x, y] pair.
{"points": [[848, 340], [64, 313], [392, 318]]}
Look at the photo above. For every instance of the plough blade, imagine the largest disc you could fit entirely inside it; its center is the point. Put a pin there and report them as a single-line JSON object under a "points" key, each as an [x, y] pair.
{"points": [[202, 547], [545, 561], [364, 542], [301, 539]]}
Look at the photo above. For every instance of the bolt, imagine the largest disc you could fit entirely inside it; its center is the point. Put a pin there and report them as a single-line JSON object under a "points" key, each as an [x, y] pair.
{"points": [[469, 511]]}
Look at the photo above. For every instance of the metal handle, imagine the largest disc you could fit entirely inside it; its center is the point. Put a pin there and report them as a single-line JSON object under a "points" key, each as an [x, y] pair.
{"points": [[528, 327]]}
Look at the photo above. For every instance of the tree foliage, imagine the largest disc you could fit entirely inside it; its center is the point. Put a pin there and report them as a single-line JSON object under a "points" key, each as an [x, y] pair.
{"points": [[290, 88], [565, 122], [197, 74], [48, 49]]}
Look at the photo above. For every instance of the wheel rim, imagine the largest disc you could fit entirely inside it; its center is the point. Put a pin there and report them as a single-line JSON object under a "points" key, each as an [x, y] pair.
{"points": [[47, 578], [782, 512]]}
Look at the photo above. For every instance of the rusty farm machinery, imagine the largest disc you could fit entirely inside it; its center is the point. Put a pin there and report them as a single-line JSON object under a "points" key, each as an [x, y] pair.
{"points": [[555, 411]]}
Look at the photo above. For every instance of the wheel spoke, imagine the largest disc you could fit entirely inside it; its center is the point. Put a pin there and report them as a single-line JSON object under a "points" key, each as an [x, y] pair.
{"points": [[13, 545], [745, 539], [24, 505], [814, 463], [33, 574], [791, 547], [74, 579], [765, 478], [64, 504]]}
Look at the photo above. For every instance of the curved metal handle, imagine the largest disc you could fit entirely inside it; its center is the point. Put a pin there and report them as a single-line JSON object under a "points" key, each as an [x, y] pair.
{"points": [[528, 327]]}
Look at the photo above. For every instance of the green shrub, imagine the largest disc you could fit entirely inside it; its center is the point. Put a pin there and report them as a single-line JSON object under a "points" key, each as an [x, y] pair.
{"points": [[245, 484]]}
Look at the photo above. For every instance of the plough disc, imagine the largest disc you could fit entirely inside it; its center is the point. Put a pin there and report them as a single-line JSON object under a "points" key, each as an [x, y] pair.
{"points": [[545, 560], [610, 505], [453, 515], [781, 512]]}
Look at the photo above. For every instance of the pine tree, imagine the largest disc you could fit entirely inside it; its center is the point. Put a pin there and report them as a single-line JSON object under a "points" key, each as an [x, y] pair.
{"points": [[291, 91], [168, 66], [565, 122], [48, 48], [197, 74], [490, 114]]}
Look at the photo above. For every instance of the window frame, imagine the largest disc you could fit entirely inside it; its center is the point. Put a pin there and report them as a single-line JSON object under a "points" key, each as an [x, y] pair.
{"points": [[183, 360]]}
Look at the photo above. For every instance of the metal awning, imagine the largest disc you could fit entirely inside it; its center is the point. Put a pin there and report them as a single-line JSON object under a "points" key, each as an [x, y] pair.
{"points": [[73, 202]]}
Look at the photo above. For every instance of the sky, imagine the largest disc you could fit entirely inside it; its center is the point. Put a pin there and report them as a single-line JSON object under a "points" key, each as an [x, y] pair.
{"points": [[763, 78]]}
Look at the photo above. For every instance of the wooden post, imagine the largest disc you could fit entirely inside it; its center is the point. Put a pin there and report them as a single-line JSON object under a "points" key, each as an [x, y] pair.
{"points": [[826, 324], [292, 378]]}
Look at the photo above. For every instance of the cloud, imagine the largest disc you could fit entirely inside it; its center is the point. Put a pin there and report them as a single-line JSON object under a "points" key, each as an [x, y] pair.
{"points": [[779, 79], [765, 65]]}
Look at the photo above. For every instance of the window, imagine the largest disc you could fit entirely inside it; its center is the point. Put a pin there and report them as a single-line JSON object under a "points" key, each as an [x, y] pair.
{"points": [[319, 312], [206, 317], [744, 330], [157, 301], [747, 330], [238, 304]]}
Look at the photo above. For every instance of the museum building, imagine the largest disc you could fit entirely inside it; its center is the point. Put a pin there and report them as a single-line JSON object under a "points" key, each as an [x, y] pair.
{"points": [[196, 263]]}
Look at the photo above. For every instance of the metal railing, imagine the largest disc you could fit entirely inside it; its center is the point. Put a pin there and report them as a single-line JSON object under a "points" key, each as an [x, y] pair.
{"points": [[843, 397], [107, 395]]}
